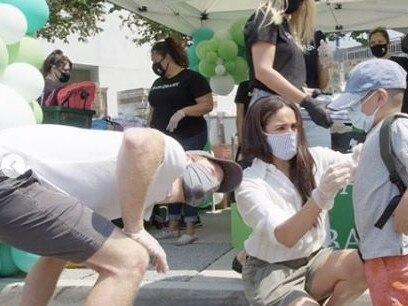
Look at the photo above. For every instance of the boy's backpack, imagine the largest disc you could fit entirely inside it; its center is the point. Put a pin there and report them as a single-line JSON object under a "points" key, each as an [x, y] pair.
{"points": [[388, 157], [77, 95]]}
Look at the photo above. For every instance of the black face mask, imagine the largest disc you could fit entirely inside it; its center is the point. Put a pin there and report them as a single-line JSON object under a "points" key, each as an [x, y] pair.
{"points": [[158, 69], [64, 77], [379, 50], [293, 6]]}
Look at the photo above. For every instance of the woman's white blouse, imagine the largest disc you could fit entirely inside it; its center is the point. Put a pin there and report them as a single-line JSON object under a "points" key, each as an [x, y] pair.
{"points": [[266, 198]]}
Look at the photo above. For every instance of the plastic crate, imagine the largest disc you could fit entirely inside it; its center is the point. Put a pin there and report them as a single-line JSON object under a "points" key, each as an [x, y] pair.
{"points": [[68, 116]]}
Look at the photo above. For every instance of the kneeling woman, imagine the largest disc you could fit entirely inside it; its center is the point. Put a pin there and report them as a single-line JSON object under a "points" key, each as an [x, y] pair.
{"points": [[285, 197]]}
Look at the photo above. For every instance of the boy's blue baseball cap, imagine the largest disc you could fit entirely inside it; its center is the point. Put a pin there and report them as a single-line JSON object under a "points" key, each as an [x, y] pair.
{"points": [[368, 76]]}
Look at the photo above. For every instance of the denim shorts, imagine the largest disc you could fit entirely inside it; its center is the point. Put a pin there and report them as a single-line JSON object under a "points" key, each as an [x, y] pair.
{"points": [[49, 223]]}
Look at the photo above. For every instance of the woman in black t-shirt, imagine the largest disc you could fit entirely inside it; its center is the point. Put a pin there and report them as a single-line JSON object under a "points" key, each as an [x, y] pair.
{"points": [[379, 42], [179, 99], [274, 36]]}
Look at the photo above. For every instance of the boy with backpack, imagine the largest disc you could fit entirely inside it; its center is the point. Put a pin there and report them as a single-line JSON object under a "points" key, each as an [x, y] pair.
{"points": [[373, 93]]}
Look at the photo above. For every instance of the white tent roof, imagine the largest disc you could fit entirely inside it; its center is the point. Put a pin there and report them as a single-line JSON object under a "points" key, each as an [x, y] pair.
{"points": [[332, 15]]}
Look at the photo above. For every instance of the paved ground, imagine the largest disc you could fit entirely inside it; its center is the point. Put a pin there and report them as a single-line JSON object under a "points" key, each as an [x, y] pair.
{"points": [[216, 285]]}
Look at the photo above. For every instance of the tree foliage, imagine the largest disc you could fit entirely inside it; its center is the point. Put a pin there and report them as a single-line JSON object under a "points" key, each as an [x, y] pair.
{"points": [[84, 18]]}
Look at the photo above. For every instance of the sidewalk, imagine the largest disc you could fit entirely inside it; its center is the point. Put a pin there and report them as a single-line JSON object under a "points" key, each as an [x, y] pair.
{"points": [[189, 283]]}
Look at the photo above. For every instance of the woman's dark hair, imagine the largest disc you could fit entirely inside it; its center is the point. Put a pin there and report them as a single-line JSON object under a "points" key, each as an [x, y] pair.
{"points": [[380, 30], [255, 144], [55, 58], [174, 48]]}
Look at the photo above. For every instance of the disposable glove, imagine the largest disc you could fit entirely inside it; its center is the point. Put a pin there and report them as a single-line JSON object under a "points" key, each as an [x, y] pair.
{"points": [[317, 111], [336, 177], [159, 258], [325, 55], [175, 119]]}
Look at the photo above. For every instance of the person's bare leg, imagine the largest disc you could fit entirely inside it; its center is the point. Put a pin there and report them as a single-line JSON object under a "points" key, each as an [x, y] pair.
{"points": [[343, 275], [174, 226], [140, 155], [121, 264], [41, 281], [190, 228]]}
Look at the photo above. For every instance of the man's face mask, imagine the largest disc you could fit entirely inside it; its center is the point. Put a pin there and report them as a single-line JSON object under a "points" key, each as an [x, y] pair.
{"points": [[198, 184], [379, 50]]}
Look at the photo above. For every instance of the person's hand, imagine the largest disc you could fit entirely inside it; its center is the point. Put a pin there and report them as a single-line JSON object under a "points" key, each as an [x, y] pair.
{"points": [[355, 157], [325, 55], [401, 217], [159, 258], [336, 177], [175, 119], [317, 111]]}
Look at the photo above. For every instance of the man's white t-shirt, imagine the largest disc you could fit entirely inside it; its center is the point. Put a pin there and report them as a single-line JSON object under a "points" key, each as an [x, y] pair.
{"points": [[82, 163]]}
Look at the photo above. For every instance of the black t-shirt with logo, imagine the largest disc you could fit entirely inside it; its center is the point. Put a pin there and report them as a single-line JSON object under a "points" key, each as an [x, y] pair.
{"points": [[289, 60], [243, 95], [167, 96], [312, 66]]}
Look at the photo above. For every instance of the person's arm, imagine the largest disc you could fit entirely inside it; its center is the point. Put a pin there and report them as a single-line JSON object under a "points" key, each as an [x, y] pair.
{"points": [[324, 77], [263, 54], [240, 122], [204, 105]]}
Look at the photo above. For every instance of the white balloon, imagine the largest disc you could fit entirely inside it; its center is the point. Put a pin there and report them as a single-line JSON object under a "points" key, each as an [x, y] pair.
{"points": [[220, 70], [14, 110], [222, 84], [25, 79], [13, 24]]}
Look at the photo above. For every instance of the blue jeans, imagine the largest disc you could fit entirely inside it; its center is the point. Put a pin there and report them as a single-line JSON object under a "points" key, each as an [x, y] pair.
{"points": [[196, 142]]}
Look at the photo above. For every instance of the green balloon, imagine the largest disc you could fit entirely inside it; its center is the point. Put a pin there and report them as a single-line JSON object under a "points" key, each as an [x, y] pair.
{"points": [[193, 60], [240, 72], [236, 31], [27, 50], [211, 57], [35, 11], [202, 49], [207, 69], [37, 110], [228, 49], [230, 66], [214, 43], [201, 34], [23, 260], [7, 267], [4, 56]]}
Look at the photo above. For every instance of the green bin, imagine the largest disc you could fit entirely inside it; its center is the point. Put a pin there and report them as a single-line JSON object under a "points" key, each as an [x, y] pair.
{"points": [[68, 116], [239, 230], [342, 231]]}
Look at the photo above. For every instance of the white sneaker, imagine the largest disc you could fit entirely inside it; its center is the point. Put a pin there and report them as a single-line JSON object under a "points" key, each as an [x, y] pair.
{"points": [[186, 239], [166, 234]]}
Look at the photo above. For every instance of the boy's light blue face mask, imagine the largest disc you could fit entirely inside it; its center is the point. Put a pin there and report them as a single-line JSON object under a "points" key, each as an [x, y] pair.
{"points": [[359, 119]]}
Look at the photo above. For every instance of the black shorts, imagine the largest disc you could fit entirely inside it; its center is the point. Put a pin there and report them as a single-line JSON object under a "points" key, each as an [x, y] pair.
{"points": [[49, 223]]}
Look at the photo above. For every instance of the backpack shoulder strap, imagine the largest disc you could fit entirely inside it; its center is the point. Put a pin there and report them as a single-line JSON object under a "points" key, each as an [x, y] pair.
{"points": [[387, 154], [388, 159]]}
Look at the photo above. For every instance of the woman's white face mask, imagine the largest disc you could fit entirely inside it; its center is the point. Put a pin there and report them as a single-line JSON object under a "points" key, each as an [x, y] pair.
{"points": [[283, 145]]}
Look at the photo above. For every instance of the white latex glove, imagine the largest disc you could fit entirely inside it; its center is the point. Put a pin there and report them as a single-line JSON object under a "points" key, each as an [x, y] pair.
{"points": [[159, 258], [356, 152], [325, 54], [335, 178], [175, 119]]}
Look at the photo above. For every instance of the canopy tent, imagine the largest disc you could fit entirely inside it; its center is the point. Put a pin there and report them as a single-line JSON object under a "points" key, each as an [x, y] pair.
{"points": [[332, 15]]}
